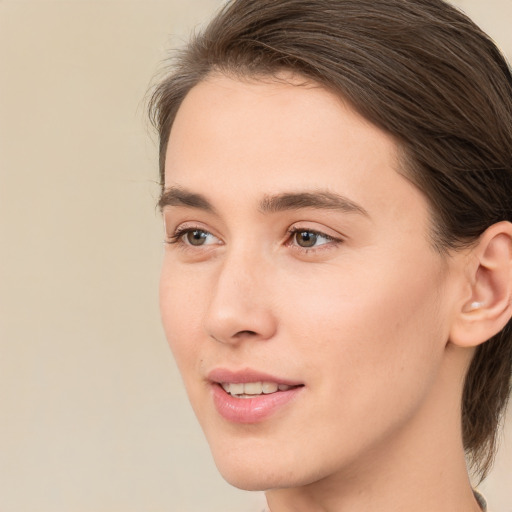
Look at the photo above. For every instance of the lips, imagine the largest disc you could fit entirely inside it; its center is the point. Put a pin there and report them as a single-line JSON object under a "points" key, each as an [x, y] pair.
{"points": [[248, 396]]}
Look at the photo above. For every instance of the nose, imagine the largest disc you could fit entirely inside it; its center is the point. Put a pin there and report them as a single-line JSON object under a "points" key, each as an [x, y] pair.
{"points": [[241, 301]]}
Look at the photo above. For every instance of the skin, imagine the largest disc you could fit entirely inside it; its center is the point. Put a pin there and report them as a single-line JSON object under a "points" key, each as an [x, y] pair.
{"points": [[362, 318]]}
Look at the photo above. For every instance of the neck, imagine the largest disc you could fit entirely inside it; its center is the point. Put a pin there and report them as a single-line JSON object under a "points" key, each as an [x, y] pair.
{"points": [[419, 468]]}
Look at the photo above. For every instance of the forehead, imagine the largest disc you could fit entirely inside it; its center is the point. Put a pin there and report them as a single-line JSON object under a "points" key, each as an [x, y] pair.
{"points": [[242, 139]]}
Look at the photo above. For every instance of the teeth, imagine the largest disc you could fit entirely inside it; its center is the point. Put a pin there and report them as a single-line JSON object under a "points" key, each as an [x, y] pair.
{"points": [[253, 388], [236, 389], [269, 387]]}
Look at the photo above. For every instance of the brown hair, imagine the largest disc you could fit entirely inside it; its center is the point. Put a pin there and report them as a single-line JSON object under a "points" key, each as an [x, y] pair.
{"points": [[423, 72]]}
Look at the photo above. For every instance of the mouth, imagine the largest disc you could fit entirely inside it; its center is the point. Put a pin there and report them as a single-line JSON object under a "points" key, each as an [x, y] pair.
{"points": [[251, 397], [253, 389]]}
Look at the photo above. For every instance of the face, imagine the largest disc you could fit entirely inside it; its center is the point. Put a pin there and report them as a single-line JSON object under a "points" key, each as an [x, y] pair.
{"points": [[300, 294]]}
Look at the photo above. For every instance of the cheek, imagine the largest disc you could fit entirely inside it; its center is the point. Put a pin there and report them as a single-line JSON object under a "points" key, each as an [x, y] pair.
{"points": [[376, 335], [180, 300]]}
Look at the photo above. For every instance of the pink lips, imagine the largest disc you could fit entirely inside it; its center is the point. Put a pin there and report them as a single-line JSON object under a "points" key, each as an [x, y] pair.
{"points": [[249, 410]]}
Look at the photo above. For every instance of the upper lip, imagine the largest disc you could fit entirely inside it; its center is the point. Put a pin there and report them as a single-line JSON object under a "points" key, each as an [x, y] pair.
{"points": [[225, 375]]}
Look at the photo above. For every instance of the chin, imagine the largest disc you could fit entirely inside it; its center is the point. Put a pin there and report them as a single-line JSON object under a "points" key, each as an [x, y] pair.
{"points": [[262, 470], [252, 479], [249, 472], [248, 481]]}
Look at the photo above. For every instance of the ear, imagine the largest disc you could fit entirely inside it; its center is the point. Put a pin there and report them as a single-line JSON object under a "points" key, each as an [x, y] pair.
{"points": [[486, 306]]}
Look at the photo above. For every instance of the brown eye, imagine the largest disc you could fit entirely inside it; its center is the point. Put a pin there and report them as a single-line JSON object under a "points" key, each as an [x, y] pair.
{"points": [[196, 237], [306, 238]]}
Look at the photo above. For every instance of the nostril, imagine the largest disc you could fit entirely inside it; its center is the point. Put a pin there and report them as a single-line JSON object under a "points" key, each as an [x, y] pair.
{"points": [[239, 334], [245, 333]]}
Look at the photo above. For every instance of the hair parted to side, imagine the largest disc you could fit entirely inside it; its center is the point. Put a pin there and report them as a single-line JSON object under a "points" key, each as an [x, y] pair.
{"points": [[423, 72]]}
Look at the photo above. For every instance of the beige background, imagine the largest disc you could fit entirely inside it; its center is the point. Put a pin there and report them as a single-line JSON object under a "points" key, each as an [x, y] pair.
{"points": [[93, 414]]}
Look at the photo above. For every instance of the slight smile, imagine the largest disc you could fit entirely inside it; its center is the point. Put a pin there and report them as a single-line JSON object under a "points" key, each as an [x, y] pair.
{"points": [[249, 396]]}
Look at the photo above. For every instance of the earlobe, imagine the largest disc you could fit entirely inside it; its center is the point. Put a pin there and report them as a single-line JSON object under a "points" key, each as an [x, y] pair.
{"points": [[488, 308]]}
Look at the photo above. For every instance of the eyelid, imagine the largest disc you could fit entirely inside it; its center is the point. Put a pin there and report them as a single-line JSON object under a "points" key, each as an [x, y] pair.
{"points": [[332, 240], [181, 230], [318, 228], [172, 227], [294, 231]]}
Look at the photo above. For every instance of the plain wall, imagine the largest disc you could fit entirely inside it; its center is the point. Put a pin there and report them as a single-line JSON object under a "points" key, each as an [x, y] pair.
{"points": [[94, 417]]}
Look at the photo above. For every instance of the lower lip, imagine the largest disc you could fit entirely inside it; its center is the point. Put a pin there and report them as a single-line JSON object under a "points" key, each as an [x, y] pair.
{"points": [[250, 410]]}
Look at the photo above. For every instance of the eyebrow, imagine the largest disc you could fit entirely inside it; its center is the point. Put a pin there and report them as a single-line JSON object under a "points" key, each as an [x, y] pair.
{"points": [[177, 196], [299, 200]]}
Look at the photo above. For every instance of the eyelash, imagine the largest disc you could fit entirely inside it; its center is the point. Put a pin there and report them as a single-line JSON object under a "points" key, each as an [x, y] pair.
{"points": [[177, 238], [293, 232]]}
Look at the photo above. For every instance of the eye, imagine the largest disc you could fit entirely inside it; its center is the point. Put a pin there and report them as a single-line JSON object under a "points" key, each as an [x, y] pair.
{"points": [[307, 238], [196, 237], [193, 237]]}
